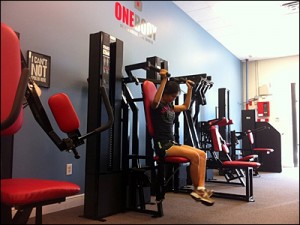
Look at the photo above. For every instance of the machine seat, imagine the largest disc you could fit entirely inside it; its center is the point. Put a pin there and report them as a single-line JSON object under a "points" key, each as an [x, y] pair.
{"points": [[24, 191], [172, 159]]}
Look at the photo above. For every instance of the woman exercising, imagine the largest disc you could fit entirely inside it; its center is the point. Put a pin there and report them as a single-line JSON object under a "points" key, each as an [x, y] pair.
{"points": [[163, 114]]}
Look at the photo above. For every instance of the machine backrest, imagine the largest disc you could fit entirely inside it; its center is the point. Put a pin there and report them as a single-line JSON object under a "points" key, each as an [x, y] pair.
{"points": [[149, 90], [216, 138], [10, 78]]}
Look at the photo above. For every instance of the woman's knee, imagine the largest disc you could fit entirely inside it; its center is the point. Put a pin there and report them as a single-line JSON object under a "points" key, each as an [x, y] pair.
{"points": [[202, 154], [195, 158]]}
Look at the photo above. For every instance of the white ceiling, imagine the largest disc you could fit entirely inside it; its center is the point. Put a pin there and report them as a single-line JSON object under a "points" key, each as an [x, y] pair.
{"points": [[253, 30]]}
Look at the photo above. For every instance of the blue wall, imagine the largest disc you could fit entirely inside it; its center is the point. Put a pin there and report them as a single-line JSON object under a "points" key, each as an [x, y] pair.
{"points": [[61, 30]]}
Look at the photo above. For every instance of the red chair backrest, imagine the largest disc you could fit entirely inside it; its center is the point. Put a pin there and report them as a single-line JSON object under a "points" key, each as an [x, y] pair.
{"points": [[216, 138], [10, 77], [149, 91]]}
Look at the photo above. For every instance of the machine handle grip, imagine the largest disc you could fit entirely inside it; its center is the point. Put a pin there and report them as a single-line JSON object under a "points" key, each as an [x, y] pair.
{"points": [[75, 152], [151, 67], [181, 80]]}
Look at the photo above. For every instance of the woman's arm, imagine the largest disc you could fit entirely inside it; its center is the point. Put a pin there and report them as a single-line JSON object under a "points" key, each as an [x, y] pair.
{"points": [[185, 106], [161, 88]]}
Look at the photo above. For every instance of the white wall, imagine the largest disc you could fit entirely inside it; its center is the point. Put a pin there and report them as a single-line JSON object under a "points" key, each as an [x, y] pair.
{"points": [[278, 73]]}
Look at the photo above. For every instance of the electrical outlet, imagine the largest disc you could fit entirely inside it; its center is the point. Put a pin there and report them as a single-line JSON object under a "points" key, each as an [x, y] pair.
{"points": [[69, 169]]}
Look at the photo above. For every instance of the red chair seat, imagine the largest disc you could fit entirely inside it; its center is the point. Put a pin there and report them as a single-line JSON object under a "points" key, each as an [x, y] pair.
{"points": [[22, 191], [173, 159]]}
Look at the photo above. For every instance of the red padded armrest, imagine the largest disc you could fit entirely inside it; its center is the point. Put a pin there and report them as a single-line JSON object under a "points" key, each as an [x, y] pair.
{"points": [[266, 150], [241, 164], [22, 191], [64, 112]]}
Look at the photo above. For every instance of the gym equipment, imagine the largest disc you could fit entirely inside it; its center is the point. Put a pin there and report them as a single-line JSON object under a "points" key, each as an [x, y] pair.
{"points": [[236, 136], [224, 111], [217, 146], [68, 122], [103, 173], [104, 179], [66, 118], [214, 160], [23, 194], [151, 75], [168, 175], [191, 125], [133, 155], [266, 138]]}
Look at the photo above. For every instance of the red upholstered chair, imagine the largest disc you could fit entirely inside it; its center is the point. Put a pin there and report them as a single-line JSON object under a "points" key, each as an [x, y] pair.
{"points": [[148, 91], [23, 194]]}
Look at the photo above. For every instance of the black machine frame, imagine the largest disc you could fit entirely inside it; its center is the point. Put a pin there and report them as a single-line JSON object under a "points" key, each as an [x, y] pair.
{"points": [[103, 173]]}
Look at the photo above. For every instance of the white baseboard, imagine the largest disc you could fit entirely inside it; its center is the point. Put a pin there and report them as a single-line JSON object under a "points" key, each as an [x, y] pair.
{"points": [[72, 201]]}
